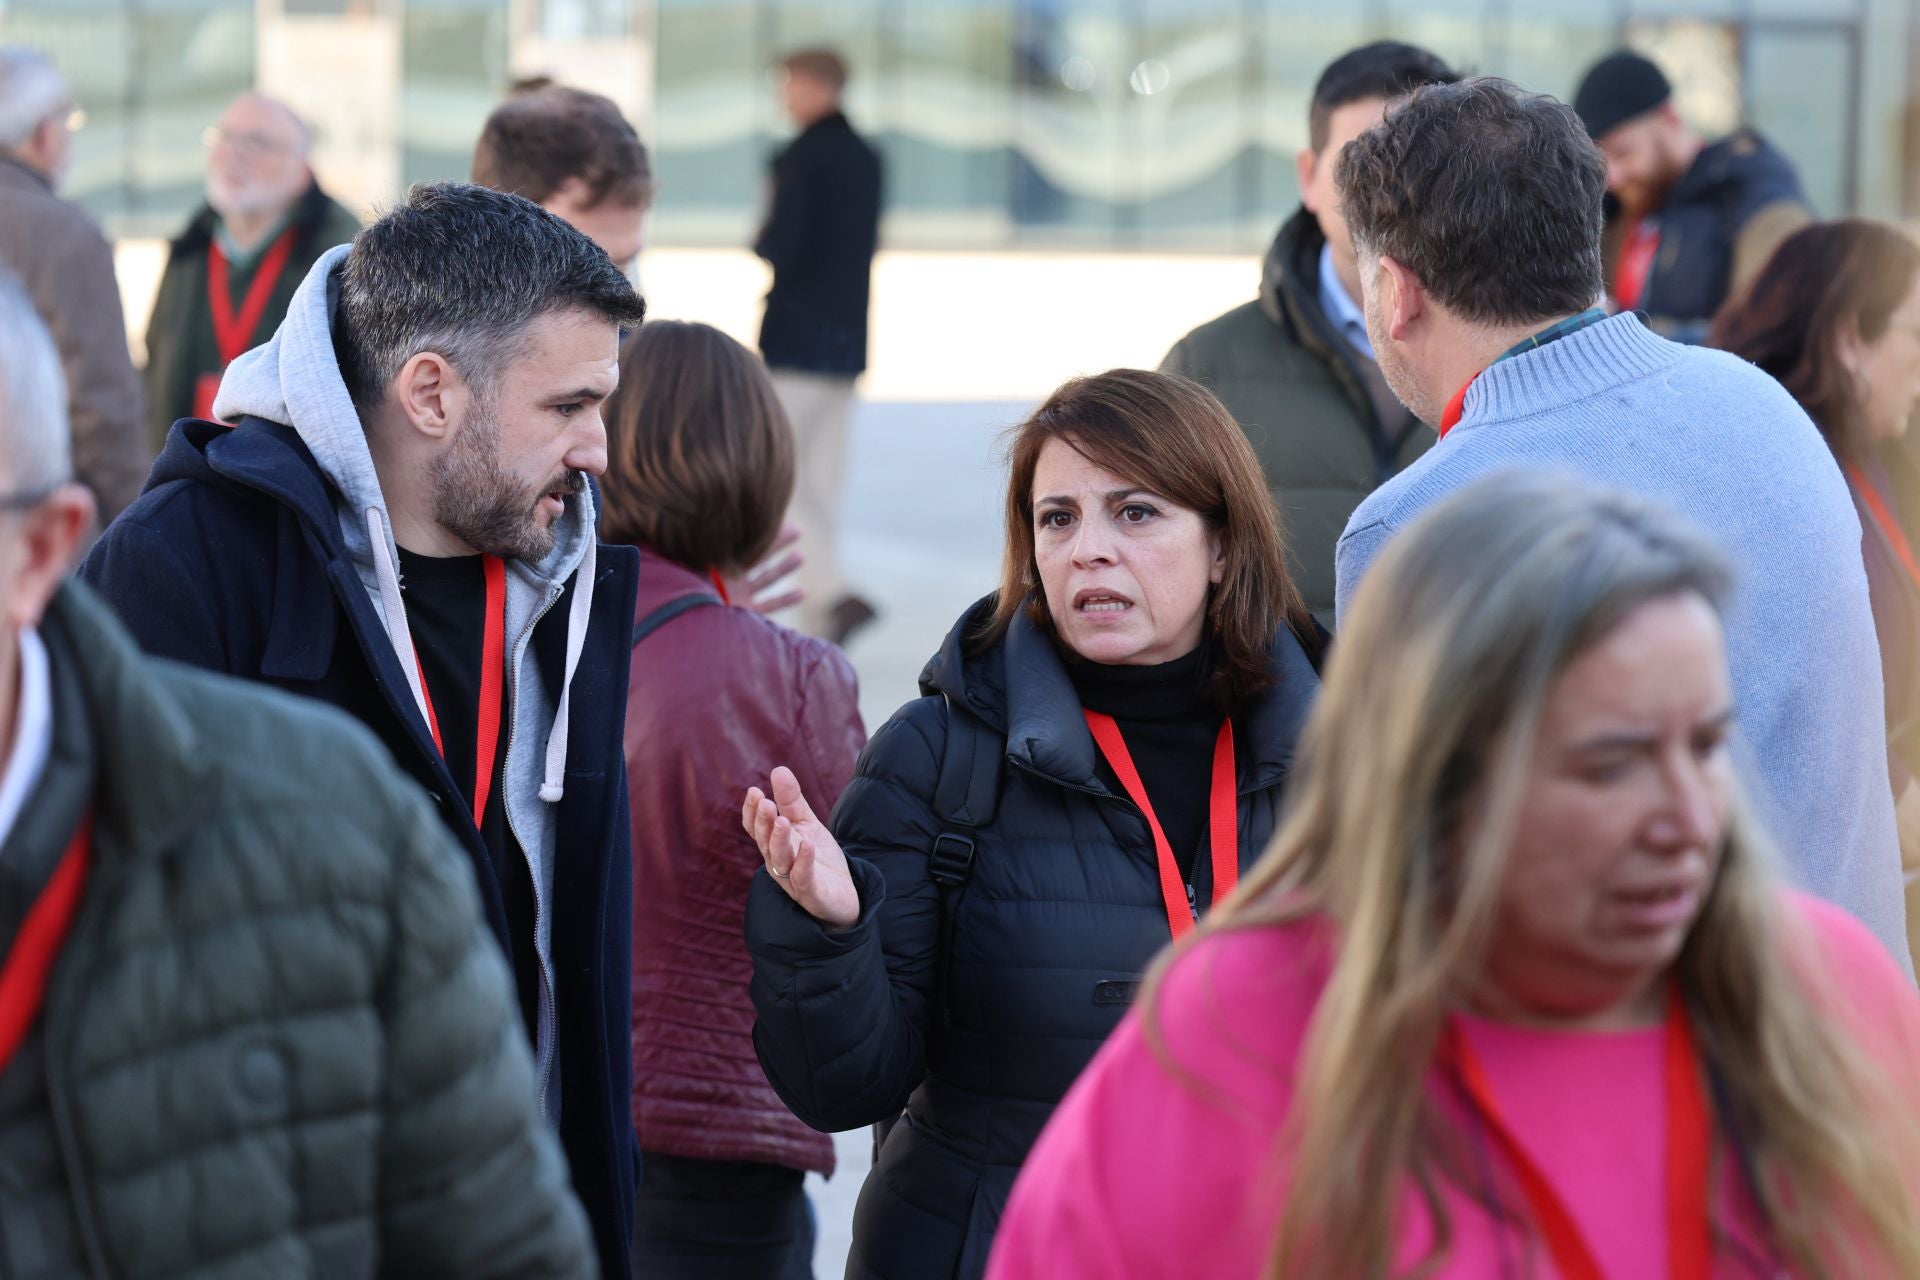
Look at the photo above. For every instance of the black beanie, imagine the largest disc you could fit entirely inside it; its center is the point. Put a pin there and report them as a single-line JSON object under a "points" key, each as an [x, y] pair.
{"points": [[1621, 87]]}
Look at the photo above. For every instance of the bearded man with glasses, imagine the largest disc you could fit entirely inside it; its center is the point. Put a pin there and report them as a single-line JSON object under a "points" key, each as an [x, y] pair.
{"points": [[232, 272]]}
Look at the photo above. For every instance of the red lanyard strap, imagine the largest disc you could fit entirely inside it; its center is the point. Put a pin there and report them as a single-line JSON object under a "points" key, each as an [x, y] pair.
{"points": [[29, 963], [493, 664], [1883, 517], [1222, 811], [234, 334], [1689, 1134]]}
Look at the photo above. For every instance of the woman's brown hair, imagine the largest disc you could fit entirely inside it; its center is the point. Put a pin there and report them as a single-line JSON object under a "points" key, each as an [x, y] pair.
{"points": [[1170, 436], [699, 451], [1822, 279]]}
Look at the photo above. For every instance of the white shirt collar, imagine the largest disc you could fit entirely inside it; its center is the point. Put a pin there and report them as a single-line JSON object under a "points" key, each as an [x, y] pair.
{"points": [[33, 732], [1341, 309]]}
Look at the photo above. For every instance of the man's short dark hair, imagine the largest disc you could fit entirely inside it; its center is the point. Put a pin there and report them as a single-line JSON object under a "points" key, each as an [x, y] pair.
{"points": [[1383, 69], [535, 141], [824, 65], [1490, 195], [461, 271]]}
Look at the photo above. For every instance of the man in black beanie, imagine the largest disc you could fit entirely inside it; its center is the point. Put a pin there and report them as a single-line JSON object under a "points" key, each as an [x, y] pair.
{"points": [[1694, 222]]}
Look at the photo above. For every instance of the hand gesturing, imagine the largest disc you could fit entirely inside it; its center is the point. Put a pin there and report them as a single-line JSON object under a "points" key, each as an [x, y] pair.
{"points": [[801, 854]]}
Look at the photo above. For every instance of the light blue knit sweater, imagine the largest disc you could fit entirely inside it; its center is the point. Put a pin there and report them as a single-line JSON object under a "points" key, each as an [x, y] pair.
{"points": [[1721, 442]]}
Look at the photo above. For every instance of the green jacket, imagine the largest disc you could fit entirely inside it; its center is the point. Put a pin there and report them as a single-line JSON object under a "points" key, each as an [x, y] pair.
{"points": [[1303, 396], [278, 1041], [180, 344]]}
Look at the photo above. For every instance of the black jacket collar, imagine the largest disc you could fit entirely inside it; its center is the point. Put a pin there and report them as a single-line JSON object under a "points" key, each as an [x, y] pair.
{"points": [[1019, 686]]}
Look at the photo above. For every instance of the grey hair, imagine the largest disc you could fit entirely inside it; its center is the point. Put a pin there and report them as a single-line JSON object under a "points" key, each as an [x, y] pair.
{"points": [[35, 448], [31, 89], [302, 131], [461, 271]]}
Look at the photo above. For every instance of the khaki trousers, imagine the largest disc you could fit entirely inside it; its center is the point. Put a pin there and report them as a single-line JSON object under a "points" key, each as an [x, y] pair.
{"points": [[820, 407]]}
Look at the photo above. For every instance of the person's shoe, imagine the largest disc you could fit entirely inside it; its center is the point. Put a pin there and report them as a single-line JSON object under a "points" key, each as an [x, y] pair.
{"points": [[848, 615]]}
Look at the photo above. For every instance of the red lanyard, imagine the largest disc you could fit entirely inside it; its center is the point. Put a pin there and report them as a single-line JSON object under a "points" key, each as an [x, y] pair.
{"points": [[1636, 263], [1450, 416], [23, 978], [1223, 819], [1883, 516], [234, 334], [493, 663], [1689, 1127]]}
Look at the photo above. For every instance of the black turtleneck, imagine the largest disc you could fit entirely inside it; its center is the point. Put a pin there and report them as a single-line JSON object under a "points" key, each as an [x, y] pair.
{"points": [[1170, 719]]}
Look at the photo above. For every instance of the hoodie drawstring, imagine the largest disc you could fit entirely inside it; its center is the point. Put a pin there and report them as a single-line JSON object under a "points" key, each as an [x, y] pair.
{"points": [[554, 787], [394, 611]]}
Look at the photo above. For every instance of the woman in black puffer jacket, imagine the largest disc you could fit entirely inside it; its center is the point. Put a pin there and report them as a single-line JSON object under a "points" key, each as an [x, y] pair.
{"points": [[1099, 748]]}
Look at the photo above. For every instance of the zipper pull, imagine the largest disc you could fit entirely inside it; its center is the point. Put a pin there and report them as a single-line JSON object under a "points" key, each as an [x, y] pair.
{"points": [[1193, 903]]}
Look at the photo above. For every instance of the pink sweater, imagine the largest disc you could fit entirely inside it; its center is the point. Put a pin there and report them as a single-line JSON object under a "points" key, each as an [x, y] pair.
{"points": [[1142, 1175]]}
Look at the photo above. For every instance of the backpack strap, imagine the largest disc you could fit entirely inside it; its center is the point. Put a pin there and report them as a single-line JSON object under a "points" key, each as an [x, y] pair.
{"points": [[967, 794], [667, 612], [966, 797]]}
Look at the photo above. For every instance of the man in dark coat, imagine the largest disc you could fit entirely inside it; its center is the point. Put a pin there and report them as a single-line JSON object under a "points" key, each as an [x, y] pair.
{"points": [[1690, 224], [255, 1026], [1294, 367], [822, 228], [264, 223], [435, 414]]}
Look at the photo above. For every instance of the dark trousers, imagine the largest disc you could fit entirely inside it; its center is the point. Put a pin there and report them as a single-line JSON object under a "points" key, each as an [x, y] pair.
{"points": [[720, 1220]]}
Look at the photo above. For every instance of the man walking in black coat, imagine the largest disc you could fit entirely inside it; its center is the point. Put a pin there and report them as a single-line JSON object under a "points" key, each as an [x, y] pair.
{"points": [[820, 234], [401, 524]]}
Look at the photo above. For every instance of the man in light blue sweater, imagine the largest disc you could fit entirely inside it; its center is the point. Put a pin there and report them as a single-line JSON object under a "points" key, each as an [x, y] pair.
{"points": [[1476, 211]]}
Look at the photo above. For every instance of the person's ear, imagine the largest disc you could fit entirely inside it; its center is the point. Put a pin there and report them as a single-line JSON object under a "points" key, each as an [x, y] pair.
{"points": [[50, 534], [1217, 543], [1403, 299], [432, 395], [1306, 165]]}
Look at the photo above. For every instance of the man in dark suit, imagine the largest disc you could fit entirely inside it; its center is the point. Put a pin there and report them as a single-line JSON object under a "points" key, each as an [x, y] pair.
{"points": [[822, 226]]}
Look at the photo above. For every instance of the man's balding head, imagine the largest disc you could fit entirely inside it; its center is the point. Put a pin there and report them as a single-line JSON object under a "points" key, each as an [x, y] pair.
{"points": [[258, 165]]}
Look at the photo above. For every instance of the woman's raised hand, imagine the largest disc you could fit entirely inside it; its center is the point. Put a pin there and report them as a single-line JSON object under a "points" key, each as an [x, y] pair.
{"points": [[801, 854]]}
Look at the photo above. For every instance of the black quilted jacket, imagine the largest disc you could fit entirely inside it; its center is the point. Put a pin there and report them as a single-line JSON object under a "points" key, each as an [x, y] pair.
{"points": [[1059, 918]]}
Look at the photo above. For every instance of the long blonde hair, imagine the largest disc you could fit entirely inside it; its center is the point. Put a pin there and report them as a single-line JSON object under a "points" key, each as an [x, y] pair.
{"points": [[1431, 704]]}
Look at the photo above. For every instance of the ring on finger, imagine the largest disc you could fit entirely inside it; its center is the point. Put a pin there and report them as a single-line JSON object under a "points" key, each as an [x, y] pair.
{"points": [[779, 875]]}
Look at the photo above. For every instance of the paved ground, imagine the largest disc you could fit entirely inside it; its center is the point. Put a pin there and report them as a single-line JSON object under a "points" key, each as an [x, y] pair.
{"points": [[922, 538]]}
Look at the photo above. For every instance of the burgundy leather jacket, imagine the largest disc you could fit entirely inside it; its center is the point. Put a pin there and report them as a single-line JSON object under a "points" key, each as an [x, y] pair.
{"points": [[718, 697]]}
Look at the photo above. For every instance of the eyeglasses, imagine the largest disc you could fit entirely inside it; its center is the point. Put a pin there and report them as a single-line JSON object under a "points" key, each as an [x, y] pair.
{"points": [[248, 144]]}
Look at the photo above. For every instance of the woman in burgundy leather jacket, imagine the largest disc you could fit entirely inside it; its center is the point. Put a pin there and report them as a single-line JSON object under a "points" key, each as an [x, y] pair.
{"points": [[700, 470]]}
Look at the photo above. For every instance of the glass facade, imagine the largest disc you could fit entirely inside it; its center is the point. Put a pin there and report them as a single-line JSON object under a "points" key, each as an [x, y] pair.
{"points": [[1087, 124]]}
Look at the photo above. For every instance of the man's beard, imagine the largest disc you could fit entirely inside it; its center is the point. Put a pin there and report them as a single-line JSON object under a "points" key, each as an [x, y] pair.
{"points": [[1399, 377], [492, 511]]}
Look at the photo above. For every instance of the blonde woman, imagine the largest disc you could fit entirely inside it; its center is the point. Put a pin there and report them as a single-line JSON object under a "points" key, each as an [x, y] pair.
{"points": [[1514, 992]]}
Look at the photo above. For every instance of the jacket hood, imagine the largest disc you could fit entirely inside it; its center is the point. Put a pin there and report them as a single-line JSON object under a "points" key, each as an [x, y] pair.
{"points": [[1290, 273], [1019, 686], [1742, 165], [294, 379]]}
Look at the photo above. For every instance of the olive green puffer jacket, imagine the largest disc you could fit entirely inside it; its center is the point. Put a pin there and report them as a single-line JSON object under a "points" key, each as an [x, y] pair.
{"points": [[278, 1041], [1303, 397]]}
